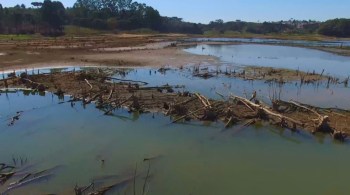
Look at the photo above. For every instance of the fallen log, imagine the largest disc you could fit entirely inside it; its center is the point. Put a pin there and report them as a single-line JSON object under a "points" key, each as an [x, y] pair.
{"points": [[126, 80], [306, 108], [229, 122], [221, 95], [27, 182], [119, 104], [244, 125], [87, 82], [321, 121], [35, 85], [201, 99], [20, 180], [104, 190], [261, 109], [250, 108], [191, 113], [187, 115], [110, 94], [81, 190], [185, 102]]}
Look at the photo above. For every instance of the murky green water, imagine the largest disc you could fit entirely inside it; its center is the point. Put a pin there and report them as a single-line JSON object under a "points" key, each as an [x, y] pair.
{"points": [[195, 158]]}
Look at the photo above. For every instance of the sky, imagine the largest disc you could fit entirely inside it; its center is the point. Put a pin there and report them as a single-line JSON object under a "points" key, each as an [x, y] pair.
{"points": [[204, 11]]}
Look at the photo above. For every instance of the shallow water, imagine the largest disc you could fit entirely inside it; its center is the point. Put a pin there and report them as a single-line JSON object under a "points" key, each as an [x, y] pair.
{"points": [[294, 58], [317, 95], [338, 43], [195, 158]]}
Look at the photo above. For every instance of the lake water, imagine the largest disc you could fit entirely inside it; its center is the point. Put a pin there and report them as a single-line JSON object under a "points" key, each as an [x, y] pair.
{"points": [[334, 96], [338, 43], [192, 158], [318, 95], [294, 58], [195, 158]]}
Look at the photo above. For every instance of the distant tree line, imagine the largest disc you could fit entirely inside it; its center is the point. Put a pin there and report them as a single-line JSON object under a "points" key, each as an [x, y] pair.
{"points": [[291, 26], [336, 27], [47, 18], [50, 17]]}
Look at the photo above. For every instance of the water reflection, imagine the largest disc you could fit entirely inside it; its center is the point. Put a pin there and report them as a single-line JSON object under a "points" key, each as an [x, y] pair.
{"points": [[340, 43], [295, 58], [196, 158], [320, 94]]}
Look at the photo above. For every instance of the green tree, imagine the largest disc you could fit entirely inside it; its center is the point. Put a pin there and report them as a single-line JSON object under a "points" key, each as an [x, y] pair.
{"points": [[1, 19], [336, 27], [36, 4], [53, 14], [152, 18]]}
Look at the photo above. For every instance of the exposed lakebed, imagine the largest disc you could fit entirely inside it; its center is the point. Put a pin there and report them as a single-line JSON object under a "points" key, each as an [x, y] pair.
{"points": [[190, 158]]}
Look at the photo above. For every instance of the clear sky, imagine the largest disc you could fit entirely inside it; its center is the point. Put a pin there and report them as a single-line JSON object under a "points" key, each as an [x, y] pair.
{"points": [[248, 10]]}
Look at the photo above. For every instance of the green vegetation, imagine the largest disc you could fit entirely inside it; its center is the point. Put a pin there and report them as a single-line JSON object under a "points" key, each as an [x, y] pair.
{"points": [[16, 37], [289, 36], [336, 27], [49, 18], [71, 30], [241, 28]]}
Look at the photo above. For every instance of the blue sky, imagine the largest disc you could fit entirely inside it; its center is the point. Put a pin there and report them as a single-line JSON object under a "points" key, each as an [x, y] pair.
{"points": [[248, 10]]}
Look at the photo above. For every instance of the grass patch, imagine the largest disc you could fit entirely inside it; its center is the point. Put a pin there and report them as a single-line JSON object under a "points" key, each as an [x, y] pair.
{"points": [[12, 37], [142, 31], [81, 31]]}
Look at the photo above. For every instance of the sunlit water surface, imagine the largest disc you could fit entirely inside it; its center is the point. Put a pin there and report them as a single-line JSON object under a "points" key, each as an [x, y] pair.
{"points": [[295, 58], [195, 158]]}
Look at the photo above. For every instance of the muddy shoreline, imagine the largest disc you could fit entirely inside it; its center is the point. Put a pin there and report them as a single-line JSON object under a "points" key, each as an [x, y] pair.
{"points": [[111, 50]]}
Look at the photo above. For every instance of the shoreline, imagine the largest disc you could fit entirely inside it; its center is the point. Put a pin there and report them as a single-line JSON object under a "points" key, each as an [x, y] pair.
{"points": [[333, 50], [148, 52]]}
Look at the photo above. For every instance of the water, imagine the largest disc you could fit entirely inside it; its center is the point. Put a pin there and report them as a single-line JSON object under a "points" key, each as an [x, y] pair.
{"points": [[44, 70], [195, 158], [321, 95], [294, 58], [337, 43], [334, 96]]}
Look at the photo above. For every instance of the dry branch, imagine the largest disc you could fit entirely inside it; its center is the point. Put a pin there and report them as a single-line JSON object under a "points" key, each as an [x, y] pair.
{"points": [[87, 82], [268, 111], [306, 108], [125, 80]]}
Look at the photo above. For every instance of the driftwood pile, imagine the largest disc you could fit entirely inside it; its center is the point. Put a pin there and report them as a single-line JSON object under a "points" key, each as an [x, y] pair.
{"points": [[272, 75], [110, 93]]}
